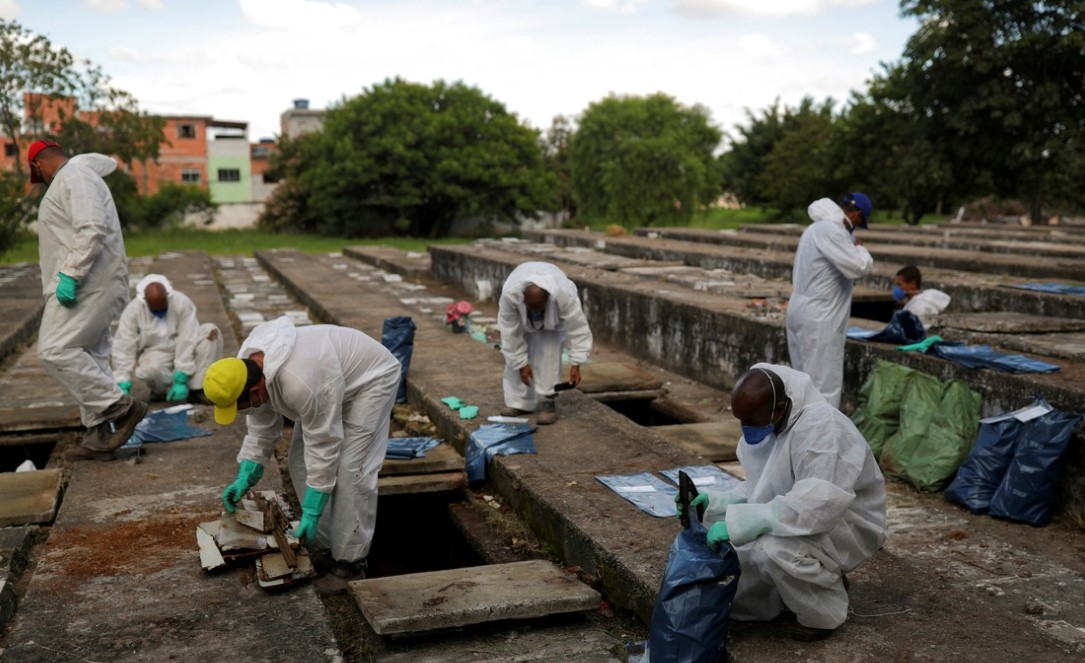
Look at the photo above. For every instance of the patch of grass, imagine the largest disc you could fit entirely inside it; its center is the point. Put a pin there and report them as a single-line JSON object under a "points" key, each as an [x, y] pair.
{"points": [[719, 218], [227, 242]]}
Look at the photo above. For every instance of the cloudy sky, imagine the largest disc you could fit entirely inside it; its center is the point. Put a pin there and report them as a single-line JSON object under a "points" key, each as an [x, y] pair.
{"points": [[247, 59]]}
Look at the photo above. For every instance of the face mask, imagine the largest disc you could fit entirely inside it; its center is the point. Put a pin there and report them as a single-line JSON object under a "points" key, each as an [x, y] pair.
{"points": [[899, 294], [757, 434], [161, 315]]}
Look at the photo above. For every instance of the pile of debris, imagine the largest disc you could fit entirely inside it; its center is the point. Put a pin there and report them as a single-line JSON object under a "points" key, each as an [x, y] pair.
{"points": [[260, 530]]}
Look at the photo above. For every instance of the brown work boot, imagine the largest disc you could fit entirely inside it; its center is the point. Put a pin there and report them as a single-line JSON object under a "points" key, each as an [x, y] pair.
{"points": [[548, 413], [513, 412], [95, 437], [337, 580], [123, 427], [802, 633]]}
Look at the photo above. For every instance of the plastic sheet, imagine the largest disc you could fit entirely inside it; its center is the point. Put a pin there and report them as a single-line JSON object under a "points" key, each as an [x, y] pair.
{"points": [[398, 336], [1054, 288], [704, 476], [689, 624], [903, 328], [166, 425], [922, 396], [647, 492], [409, 448], [496, 440], [878, 414], [982, 356]]}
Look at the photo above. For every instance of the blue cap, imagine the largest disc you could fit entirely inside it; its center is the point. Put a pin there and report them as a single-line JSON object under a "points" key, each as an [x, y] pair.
{"points": [[862, 202]]}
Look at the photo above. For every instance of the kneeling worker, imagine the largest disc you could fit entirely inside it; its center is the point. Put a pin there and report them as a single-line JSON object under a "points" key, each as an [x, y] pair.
{"points": [[811, 509], [338, 386], [538, 314], [925, 304], [160, 341]]}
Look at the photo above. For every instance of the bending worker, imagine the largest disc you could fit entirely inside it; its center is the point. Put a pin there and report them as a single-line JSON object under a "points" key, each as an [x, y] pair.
{"points": [[811, 509], [338, 386], [160, 342], [828, 259], [538, 314], [84, 276]]}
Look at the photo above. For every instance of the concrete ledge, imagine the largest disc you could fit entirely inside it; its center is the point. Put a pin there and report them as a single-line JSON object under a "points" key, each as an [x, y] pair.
{"points": [[23, 307], [390, 259]]}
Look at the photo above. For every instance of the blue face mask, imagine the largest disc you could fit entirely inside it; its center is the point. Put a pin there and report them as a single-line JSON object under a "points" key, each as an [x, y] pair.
{"points": [[161, 315], [899, 294], [757, 434]]}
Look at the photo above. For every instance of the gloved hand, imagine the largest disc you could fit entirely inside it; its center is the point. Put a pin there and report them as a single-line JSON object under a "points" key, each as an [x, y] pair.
{"points": [[717, 534], [66, 290], [247, 476], [700, 500], [179, 390], [126, 386], [311, 508]]}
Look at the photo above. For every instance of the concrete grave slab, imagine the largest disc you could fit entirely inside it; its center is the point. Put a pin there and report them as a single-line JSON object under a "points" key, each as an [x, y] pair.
{"points": [[615, 376], [28, 497], [573, 643], [422, 602], [998, 322], [715, 441], [412, 484]]}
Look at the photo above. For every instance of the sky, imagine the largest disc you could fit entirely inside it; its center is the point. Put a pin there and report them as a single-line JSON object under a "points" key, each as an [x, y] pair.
{"points": [[248, 59]]}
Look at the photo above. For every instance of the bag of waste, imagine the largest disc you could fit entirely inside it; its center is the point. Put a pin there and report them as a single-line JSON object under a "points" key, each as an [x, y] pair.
{"points": [[397, 335], [920, 402], [902, 329], [949, 439], [878, 414], [689, 624], [980, 474]]}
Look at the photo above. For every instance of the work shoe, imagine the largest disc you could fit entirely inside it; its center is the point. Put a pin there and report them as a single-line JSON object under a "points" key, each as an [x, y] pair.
{"points": [[548, 413], [513, 412], [350, 570], [802, 633], [336, 580], [95, 437], [123, 427]]}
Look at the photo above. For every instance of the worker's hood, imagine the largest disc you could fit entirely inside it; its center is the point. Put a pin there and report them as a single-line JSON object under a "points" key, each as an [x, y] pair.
{"points": [[275, 339], [549, 278], [824, 209], [99, 163], [141, 287], [800, 389]]}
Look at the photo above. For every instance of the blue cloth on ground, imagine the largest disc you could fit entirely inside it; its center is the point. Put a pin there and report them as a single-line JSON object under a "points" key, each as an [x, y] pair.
{"points": [[689, 623], [704, 477], [903, 328], [983, 356], [164, 426], [646, 491], [397, 335], [496, 440], [1054, 288], [407, 448]]}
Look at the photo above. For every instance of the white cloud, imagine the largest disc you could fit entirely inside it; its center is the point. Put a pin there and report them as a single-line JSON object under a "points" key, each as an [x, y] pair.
{"points": [[107, 6], [9, 9], [861, 43], [627, 7], [717, 8], [153, 5], [759, 47], [301, 14]]}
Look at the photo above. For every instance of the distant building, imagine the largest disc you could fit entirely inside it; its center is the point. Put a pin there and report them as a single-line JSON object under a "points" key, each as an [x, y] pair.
{"points": [[260, 157], [300, 119]]}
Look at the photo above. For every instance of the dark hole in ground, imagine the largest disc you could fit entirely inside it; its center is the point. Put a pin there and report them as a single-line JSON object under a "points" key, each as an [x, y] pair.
{"points": [[414, 534], [882, 311], [11, 456], [640, 411]]}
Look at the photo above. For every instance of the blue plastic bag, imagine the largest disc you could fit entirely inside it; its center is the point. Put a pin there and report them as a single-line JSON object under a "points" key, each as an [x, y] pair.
{"points": [[689, 624], [980, 474], [496, 440], [983, 356], [903, 328], [1027, 492], [1055, 288], [398, 336], [164, 426], [408, 448], [647, 492]]}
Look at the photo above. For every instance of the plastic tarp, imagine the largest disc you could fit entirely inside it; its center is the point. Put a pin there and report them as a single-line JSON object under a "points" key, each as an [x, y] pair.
{"points": [[1054, 288], [980, 474], [647, 492], [398, 336], [496, 440], [689, 624], [920, 402], [949, 439], [903, 328], [704, 476], [1027, 492], [878, 414], [983, 356], [409, 448], [166, 425]]}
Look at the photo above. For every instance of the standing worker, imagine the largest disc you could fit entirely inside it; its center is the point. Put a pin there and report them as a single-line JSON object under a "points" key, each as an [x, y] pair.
{"points": [[538, 314], [828, 260], [338, 386], [160, 342], [84, 275]]}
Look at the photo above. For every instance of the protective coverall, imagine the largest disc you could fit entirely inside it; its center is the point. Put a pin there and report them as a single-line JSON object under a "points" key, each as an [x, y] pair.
{"points": [[536, 340], [826, 263], [338, 386], [79, 234], [926, 305], [152, 348], [812, 508]]}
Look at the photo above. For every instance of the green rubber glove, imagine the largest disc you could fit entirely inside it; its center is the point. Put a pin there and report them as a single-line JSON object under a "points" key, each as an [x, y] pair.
{"points": [[126, 386], [701, 499], [452, 402], [179, 390], [922, 346], [66, 290], [468, 412], [311, 508], [717, 534], [247, 476]]}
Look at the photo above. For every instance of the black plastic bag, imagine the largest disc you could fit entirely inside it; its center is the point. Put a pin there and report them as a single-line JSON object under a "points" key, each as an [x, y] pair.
{"points": [[979, 476], [1027, 492], [689, 624], [904, 328], [398, 336]]}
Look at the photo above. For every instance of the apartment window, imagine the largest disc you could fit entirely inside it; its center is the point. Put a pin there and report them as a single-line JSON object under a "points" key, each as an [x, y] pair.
{"points": [[268, 178], [190, 175], [186, 130], [229, 175], [10, 150]]}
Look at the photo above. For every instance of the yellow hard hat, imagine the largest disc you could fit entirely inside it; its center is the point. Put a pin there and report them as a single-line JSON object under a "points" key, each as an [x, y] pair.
{"points": [[222, 384]]}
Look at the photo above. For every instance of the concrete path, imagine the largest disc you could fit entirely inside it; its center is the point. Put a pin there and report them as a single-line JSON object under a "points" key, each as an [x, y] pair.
{"points": [[20, 291]]}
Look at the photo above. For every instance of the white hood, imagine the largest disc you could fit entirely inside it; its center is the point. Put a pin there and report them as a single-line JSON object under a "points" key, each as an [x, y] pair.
{"points": [[99, 163], [824, 209], [275, 339], [141, 287], [800, 388]]}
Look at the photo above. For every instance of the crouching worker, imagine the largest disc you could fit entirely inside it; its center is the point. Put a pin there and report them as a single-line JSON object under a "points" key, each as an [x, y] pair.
{"points": [[811, 509], [338, 386], [538, 314]]}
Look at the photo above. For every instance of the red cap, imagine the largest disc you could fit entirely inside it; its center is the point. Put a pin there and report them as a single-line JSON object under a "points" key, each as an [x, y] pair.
{"points": [[32, 153]]}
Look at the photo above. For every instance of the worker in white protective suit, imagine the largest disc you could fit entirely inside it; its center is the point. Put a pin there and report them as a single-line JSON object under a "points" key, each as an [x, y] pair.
{"points": [[540, 313], [160, 342], [811, 509], [338, 386], [828, 260], [924, 304], [84, 276]]}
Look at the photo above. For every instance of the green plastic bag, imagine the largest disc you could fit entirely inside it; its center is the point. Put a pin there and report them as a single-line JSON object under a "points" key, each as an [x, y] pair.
{"points": [[878, 414], [921, 402], [950, 437]]}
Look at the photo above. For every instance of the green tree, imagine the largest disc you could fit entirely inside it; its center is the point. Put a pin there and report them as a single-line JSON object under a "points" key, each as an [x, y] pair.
{"points": [[643, 160], [746, 158], [555, 147], [412, 158], [802, 164]]}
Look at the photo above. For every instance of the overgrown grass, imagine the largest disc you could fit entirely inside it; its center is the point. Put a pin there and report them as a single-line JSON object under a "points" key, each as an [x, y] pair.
{"points": [[227, 242], [718, 218]]}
